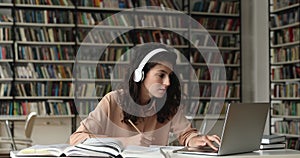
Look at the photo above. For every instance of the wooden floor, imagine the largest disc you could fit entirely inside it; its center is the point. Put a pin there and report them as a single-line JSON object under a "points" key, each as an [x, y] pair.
{"points": [[4, 153]]}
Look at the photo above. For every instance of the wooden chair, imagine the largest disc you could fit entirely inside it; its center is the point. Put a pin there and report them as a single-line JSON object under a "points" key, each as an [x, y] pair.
{"points": [[14, 141]]}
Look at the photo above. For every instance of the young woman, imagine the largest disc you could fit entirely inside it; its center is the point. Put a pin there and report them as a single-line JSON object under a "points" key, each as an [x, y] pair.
{"points": [[150, 99]]}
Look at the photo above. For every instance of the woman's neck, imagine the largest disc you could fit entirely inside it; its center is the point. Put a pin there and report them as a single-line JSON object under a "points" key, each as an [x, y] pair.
{"points": [[144, 98]]}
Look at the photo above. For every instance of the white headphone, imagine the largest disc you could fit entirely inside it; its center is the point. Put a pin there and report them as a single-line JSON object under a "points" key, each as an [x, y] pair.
{"points": [[139, 73]]}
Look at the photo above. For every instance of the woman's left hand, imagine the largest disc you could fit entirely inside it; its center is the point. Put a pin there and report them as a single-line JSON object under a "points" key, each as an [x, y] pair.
{"points": [[204, 140]]}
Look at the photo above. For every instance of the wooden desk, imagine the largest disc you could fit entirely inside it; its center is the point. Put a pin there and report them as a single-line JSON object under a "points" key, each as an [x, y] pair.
{"points": [[282, 153]]}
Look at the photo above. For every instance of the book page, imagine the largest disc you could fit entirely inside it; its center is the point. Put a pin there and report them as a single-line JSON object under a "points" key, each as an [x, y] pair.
{"points": [[108, 146], [153, 151], [105, 141], [74, 151], [43, 150]]}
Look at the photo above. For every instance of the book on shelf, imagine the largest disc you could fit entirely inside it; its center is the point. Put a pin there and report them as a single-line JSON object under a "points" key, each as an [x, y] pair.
{"points": [[272, 146], [93, 147], [271, 139]]}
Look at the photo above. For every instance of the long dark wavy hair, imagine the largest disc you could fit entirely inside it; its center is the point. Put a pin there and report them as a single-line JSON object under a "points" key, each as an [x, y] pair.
{"points": [[170, 102]]}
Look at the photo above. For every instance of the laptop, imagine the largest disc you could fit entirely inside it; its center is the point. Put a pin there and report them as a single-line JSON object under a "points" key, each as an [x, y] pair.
{"points": [[242, 130]]}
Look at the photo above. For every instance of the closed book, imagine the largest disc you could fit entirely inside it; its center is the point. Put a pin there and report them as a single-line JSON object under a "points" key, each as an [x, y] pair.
{"points": [[269, 139], [272, 146]]}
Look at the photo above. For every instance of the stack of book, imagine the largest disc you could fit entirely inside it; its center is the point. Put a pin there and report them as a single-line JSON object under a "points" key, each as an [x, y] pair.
{"points": [[273, 142]]}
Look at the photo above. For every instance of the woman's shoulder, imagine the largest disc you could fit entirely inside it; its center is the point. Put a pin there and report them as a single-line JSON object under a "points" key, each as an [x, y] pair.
{"points": [[114, 95]]}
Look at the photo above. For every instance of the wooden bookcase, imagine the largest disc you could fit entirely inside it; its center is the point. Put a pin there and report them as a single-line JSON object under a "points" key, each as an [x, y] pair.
{"points": [[51, 43], [284, 33]]}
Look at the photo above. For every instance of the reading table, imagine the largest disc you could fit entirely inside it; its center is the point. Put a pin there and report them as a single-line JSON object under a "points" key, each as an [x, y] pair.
{"points": [[280, 153]]}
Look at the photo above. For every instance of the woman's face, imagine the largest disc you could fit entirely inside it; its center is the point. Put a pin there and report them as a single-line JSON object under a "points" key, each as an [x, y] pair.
{"points": [[157, 80]]}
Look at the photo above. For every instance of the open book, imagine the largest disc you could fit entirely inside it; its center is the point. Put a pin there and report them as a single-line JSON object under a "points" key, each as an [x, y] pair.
{"points": [[99, 147], [94, 147]]}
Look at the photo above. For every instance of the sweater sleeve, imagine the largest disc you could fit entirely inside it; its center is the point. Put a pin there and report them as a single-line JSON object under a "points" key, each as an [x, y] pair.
{"points": [[94, 124], [182, 128]]}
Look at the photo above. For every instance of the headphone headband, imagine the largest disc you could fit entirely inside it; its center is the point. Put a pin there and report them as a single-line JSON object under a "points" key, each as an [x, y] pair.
{"points": [[138, 73]]}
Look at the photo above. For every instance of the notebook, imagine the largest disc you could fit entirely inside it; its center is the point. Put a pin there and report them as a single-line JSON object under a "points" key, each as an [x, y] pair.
{"points": [[242, 130]]}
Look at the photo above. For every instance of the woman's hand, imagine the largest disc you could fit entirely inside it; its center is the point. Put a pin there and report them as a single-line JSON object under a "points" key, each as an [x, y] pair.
{"points": [[204, 140], [140, 140]]}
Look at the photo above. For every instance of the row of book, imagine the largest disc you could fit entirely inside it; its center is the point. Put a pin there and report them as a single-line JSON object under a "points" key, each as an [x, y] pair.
{"points": [[92, 90], [226, 57], [166, 37], [5, 33], [286, 108], [290, 89], [41, 89], [44, 71], [42, 108], [100, 71], [6, 52], [285, 72], [99, 54], [226, 24], [54, 53], [217, 73], [106, 3], [291, 34], [164, 4], [278, 4], [217, 91], [85, 107], [102, 36], [293, 143], [215, 40], [141, 19], [273, 142], [45, 34], [109, 19], [46, 2], [197, 108], [285, 18], [5, 71], [285, 54], [160, 20], [44, 16], [287, 127], [214, 6], [5, 89]]}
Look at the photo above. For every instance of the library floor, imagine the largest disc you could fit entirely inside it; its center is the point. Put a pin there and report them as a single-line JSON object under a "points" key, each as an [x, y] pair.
{"points": [[4, 153]]}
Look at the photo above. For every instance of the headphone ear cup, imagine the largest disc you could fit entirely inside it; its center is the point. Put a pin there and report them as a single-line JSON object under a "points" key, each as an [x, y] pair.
{"points": [[142, 77], [138, 75]]}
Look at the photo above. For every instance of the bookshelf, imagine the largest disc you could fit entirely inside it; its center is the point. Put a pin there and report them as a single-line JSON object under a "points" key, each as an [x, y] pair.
{"points": [[44, 57], [6, 53], [284, 52], [55, 59], [215, 56], [102, 39]]}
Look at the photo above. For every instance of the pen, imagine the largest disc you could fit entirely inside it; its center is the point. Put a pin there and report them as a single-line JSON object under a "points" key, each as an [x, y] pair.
{"points": [[134, 127]]}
